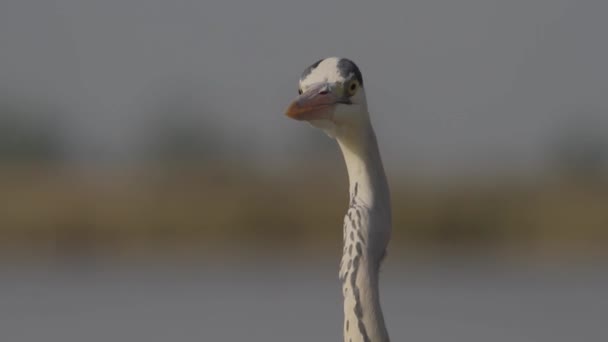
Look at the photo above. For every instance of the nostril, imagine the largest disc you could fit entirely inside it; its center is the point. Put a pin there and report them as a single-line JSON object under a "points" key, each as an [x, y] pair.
{"points": [[324, 92]]}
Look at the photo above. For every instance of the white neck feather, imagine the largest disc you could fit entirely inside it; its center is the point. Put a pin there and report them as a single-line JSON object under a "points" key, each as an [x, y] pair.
{"points": [[364, 165], [366, 233]]}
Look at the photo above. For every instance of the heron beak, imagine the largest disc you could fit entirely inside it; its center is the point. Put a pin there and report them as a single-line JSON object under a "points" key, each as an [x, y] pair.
{"points": [[315, 104]]}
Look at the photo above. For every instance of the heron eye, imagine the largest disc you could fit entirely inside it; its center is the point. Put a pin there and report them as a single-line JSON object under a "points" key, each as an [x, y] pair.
{"points": [[352, 88], [300, 91]]}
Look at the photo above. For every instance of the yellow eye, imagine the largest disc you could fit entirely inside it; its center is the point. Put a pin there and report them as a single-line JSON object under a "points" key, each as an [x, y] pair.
{"points": [[352, 88]]}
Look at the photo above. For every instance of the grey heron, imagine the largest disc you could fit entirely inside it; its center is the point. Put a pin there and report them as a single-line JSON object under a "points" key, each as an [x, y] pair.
{"points": [[332, 98]]}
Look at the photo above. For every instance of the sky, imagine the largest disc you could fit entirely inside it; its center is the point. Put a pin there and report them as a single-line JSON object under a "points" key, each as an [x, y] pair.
{"points": [[451, 85]]}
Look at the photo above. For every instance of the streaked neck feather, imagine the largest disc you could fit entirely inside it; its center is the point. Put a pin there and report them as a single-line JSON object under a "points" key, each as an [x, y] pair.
{"points": [[366, 232]]}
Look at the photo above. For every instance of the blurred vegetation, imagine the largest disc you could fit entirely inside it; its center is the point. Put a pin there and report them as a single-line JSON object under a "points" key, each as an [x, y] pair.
{"points": [[29, 132], [580, 147], [179, 130], [201, 208]]}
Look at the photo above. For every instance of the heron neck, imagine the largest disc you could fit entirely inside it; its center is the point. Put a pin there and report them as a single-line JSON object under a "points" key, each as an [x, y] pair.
{"points": [[367, 180], [366, 233], [363, 318]]}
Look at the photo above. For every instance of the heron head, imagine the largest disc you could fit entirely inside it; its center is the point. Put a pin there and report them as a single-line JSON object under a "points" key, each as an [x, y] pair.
{"points": [[331, 96]]}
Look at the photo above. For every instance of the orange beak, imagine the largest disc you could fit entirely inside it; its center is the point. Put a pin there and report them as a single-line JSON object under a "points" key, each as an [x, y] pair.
{"points": [[315, 104]]}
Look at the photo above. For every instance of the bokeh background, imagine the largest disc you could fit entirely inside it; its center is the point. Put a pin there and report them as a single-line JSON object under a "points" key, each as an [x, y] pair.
{"points": [[151, 188]]}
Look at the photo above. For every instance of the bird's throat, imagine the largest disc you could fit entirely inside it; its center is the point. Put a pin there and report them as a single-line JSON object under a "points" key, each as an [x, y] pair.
{"points": [[364, 165]]}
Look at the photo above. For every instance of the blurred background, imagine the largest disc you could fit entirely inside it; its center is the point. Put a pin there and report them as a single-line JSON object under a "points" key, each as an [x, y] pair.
{"points": [[151, 188]]}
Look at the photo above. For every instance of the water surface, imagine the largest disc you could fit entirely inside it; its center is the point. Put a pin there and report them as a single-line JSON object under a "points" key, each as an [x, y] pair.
{"points": [[284, 301]]}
